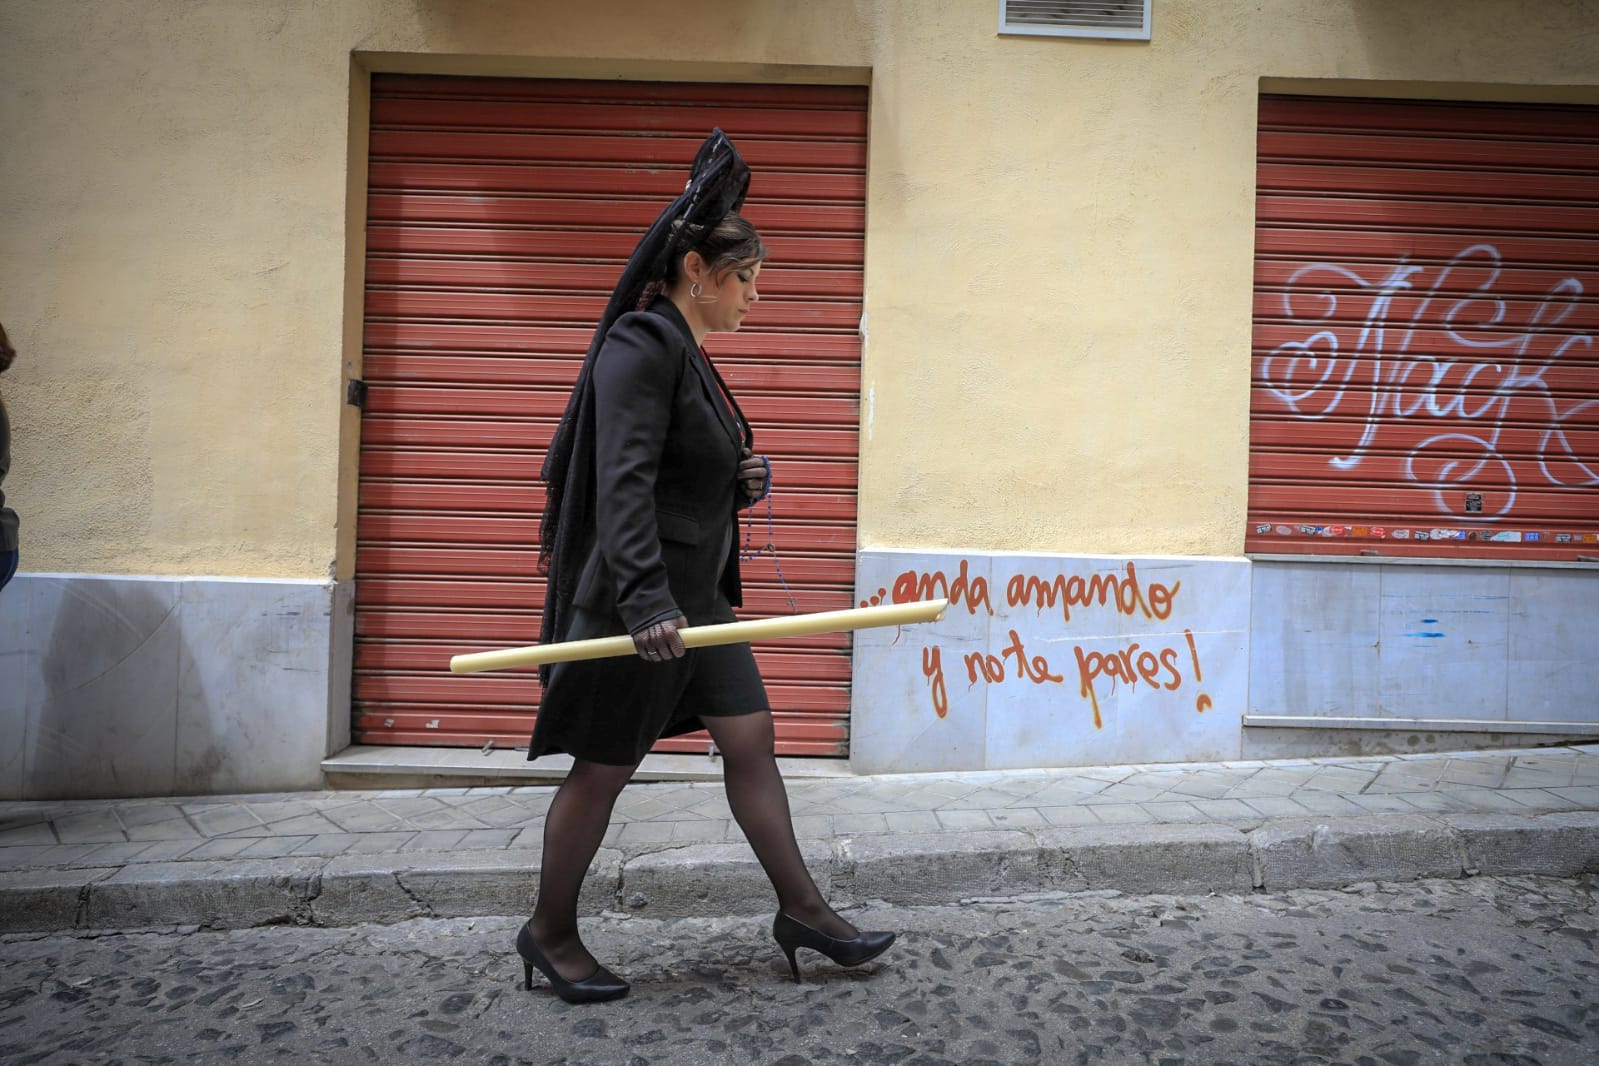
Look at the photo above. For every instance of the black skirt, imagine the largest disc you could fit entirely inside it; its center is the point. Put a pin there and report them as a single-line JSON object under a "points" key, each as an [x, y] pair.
{"points": [[614, 710]]}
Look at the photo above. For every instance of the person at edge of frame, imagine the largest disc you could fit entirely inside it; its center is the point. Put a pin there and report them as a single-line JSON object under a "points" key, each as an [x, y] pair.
{"points": [[645, 477], [9, 554]]}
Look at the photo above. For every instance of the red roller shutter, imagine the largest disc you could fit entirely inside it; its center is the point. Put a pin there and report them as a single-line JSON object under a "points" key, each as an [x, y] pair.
{"points": [[499, 214], [1426, 381]]}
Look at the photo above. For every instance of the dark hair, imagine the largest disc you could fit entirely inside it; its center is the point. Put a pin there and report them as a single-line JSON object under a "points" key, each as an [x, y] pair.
{"points": [[7, 353], [732, 244]]}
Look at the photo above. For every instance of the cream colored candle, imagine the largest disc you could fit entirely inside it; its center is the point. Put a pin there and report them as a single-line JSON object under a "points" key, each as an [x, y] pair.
{"points": [[798, 625]]}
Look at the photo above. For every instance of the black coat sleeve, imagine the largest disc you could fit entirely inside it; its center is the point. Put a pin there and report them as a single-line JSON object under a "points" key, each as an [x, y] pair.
{"points": [[636, 376]]}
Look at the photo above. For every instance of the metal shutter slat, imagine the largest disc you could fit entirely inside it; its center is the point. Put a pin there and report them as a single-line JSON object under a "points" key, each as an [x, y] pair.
{"points": [[656, 184], [654, 151]]}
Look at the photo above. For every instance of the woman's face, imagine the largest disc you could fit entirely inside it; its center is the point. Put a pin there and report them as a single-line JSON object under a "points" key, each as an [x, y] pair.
{"points": [[734, 294]]}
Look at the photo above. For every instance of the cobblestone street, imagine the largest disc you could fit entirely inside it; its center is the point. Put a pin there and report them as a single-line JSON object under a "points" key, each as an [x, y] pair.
{"points": [[1480, 972]]}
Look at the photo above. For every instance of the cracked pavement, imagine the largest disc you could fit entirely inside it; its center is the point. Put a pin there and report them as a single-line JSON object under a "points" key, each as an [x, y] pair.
{"points": [[1485, 971]]}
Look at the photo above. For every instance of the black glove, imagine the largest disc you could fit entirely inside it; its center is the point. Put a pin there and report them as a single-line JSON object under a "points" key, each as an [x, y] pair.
{"points": [[754, 477], [659, 641]]}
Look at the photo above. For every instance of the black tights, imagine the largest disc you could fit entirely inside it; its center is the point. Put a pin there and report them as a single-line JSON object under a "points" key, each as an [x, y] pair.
{"points": [[573, 828], [581, 812]]}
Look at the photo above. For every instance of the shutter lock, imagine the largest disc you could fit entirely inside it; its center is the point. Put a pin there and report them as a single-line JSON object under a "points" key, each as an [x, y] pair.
{"points": [[1473, 503]]}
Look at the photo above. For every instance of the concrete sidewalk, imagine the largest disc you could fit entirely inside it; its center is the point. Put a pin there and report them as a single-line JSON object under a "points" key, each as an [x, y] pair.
{"points": [[338, 858]]}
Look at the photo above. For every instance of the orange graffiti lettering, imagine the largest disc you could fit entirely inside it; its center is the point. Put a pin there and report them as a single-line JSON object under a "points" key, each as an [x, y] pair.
{"points": [[933, 670], [1123, 592], [1194, 651], [1168, 659], [980, 665], [1128, 666], [913, 585], [1035, 670]]}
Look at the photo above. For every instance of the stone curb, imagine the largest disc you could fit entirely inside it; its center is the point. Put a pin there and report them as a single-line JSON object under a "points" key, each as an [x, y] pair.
{"points": [[701, 880]]}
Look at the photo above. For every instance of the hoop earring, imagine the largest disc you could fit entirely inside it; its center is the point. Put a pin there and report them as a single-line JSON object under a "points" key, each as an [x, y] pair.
{"points": [[694, 291]]}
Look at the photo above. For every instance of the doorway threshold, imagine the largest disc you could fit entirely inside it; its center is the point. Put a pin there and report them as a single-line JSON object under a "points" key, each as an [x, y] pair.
{"points": [[376, 766]]}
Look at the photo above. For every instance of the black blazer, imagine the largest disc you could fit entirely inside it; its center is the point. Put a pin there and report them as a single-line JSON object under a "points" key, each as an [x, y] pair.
{"points": [[668, 439]]}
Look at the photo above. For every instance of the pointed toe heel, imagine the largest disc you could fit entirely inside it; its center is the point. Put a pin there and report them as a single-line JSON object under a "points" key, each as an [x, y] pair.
{"points": [[792, 934], [598, 987]]}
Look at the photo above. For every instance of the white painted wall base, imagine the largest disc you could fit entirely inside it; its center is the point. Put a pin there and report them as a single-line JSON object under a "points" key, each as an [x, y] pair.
{"points": [[1326, 658], [1051, 660], [130, 686], [117, 686], [1501, 646]]}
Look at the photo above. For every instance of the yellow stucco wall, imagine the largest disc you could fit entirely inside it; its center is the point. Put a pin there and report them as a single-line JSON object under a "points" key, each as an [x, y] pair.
{"points": [[1059, 243]]}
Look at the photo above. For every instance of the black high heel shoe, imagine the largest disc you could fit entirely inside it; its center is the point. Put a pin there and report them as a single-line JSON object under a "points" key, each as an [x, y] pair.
{"points": [[598, 987], [792, 934]]}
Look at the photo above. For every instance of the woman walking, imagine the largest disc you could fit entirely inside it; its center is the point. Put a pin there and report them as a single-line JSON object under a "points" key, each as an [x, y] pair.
{"points": [[8, 517], [647, 471]]}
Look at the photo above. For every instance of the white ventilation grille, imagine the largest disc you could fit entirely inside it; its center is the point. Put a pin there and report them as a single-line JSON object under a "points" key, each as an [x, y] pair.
{"points": [[1076, 18]]}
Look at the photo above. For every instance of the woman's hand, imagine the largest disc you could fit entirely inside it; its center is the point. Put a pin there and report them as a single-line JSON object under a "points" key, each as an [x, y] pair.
{"points": [[754, 476], [660, 641]]}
